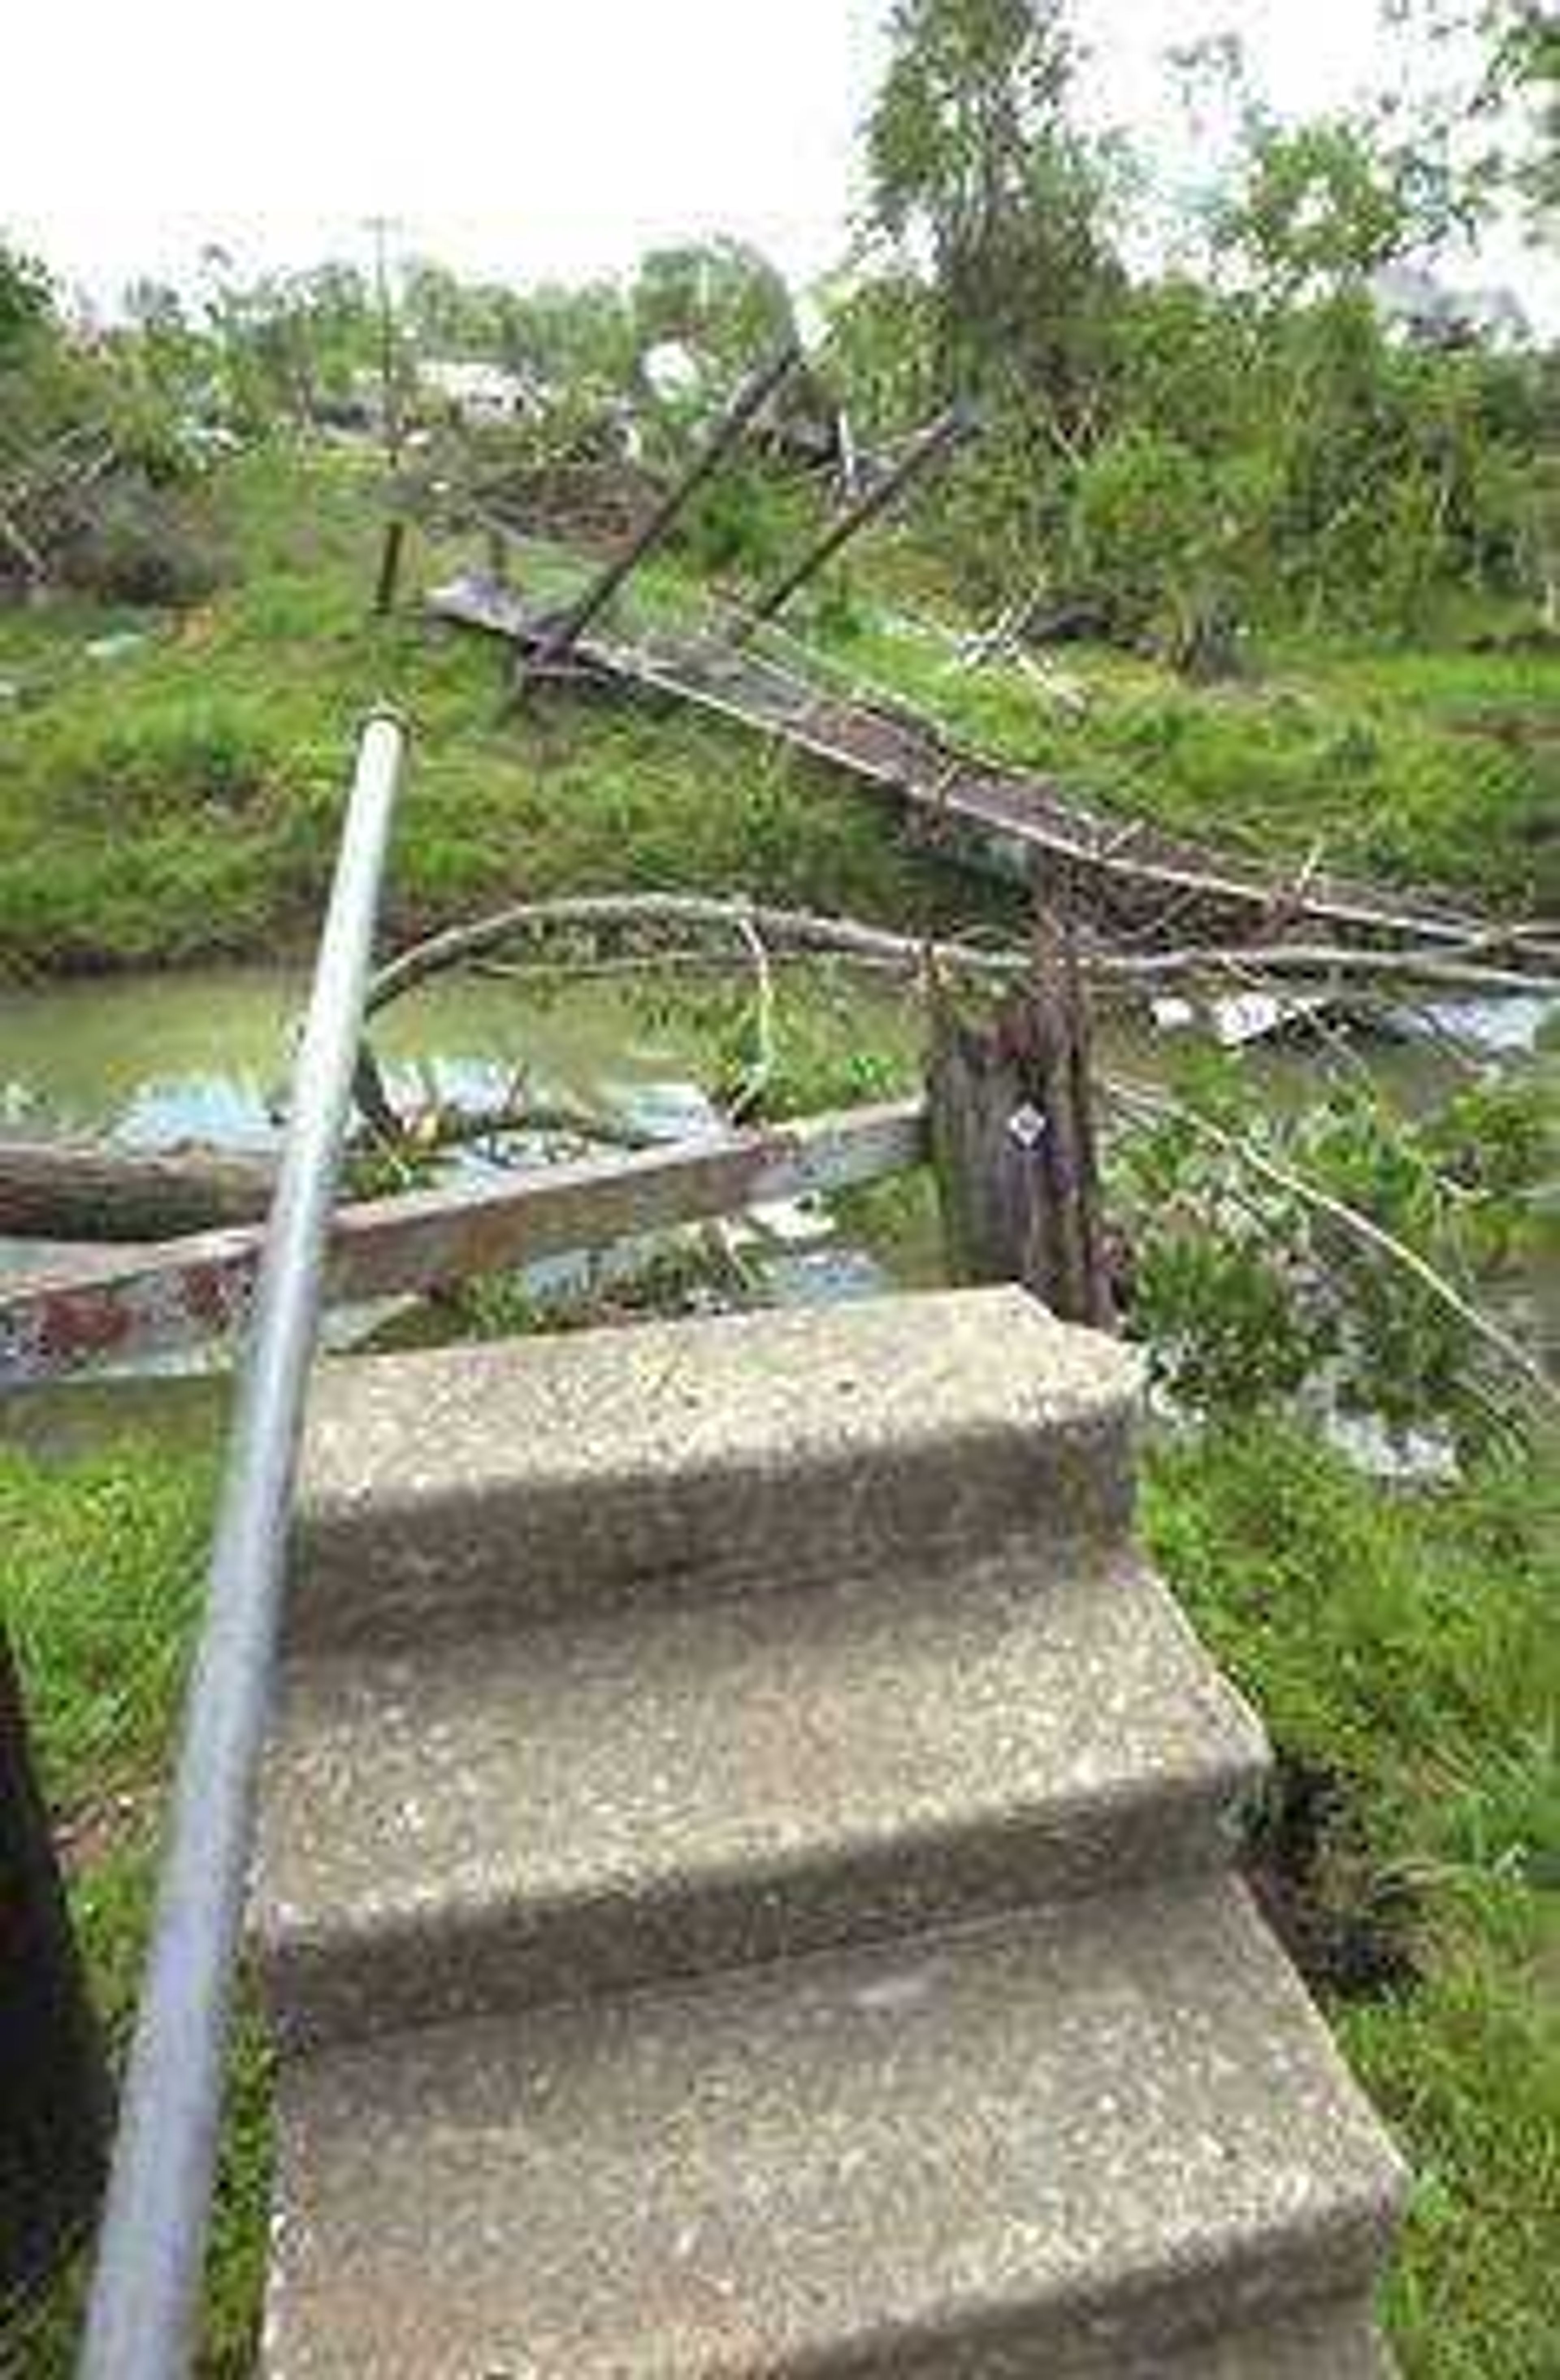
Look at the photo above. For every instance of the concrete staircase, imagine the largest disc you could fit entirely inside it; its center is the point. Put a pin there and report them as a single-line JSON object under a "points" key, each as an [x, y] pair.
{"points": [[746, 1885]]}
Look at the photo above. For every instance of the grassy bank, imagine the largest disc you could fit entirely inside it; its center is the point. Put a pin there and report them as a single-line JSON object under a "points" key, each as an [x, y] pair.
{"points": [[179, 797], [175, 793], [1398, 1645]]}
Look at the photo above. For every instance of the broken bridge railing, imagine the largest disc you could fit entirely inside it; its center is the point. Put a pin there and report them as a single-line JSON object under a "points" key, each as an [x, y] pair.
{"points": [[554, 637]]}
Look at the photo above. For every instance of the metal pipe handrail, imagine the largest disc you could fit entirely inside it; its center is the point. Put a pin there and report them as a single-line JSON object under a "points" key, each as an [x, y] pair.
{"points": [[143, 2316]]}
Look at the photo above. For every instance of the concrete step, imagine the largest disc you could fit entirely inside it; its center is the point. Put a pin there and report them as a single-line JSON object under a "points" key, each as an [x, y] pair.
{"points": [[511, 1481], [584, 1805], [1336, 2341], [1076, 2142]]}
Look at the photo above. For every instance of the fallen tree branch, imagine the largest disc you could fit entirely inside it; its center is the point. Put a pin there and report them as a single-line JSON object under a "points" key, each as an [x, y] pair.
{"points": [[77, 1190], [853, 938], [1157, 1106], [97, 1195], [437, 1129]]}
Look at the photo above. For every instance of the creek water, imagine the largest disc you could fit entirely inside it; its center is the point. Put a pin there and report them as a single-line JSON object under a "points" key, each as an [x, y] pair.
{"points": [[153, 1060], [156, 1061]]}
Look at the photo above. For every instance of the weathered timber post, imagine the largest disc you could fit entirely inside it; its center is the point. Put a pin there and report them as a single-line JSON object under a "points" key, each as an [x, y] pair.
{"points": [[496, 546], [388, 580], [940, 437], [54, 2082], [1012, 1140]]}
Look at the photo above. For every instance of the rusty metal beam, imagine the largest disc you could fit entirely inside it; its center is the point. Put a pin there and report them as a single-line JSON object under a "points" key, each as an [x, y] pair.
{"points": [[750, 399], [939, 438], [54, 1324]]}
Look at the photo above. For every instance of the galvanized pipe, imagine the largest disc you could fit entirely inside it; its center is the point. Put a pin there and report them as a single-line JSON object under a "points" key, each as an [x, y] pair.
{"points": [[143, 2317]]}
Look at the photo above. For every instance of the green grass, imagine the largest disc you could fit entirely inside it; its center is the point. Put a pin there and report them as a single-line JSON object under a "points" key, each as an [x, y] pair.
{"points": [[1404, 1643], [182, 799], [1401, 1641], [105, 1557]]}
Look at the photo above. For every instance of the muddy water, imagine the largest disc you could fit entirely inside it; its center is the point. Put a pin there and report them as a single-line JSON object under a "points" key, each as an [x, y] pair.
{"points": [[154, 1060], [202, 1056]]}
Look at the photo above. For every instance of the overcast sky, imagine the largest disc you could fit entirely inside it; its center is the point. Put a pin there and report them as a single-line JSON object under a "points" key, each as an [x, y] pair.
{"points": [[524, 138]]}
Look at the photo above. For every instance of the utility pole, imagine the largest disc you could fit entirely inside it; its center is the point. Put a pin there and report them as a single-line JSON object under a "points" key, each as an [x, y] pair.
{"points": [[380, 228]]}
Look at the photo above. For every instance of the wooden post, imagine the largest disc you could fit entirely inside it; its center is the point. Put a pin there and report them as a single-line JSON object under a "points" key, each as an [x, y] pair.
{"points": [[54, 2084], [496, 543], [390, 566], [1012, 1141]]}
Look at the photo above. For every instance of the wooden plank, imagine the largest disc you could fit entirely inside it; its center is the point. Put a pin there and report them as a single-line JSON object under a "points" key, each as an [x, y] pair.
{"points": [[1024, 825], [55, 1323]]}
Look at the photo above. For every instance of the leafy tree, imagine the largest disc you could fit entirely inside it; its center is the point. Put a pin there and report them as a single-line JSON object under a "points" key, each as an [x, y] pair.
{"points": [[721, 297], [27, 303], [975, 163], [579, 339]]}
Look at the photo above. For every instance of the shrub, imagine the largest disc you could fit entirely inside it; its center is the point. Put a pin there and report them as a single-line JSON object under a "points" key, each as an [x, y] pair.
{"points": [[137, 543]]}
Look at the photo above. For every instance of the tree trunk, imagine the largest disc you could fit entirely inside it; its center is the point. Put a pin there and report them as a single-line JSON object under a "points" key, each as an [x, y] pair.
{"points": [[1013, 1143], [75, 1191]]}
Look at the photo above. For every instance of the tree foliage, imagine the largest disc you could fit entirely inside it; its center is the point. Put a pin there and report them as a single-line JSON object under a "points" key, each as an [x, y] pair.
{"points": [[1190, 453], [1189, 444]]}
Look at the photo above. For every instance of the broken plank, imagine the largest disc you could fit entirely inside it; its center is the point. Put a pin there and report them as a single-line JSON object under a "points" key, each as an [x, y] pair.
{"points": [[56, 1322]]}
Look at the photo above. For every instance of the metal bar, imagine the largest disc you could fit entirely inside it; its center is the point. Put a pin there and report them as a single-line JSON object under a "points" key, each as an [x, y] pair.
{"points": [[749, 400], [143, 2317], [949, 429], [199, 1287]]}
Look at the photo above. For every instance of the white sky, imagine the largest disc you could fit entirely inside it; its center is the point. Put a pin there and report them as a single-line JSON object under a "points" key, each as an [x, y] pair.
{"points": [[522, 138]]}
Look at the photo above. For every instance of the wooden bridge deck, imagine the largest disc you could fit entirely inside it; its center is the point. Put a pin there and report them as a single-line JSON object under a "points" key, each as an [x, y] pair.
{"points": [[1123, 874]]}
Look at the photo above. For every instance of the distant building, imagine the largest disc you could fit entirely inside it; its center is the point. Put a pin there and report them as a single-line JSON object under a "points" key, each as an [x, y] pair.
{"points": [[478, 392], [1412, 302]]}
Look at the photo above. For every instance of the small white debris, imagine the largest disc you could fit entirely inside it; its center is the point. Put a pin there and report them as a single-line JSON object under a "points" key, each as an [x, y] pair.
{"points": [[892, 1993]]}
